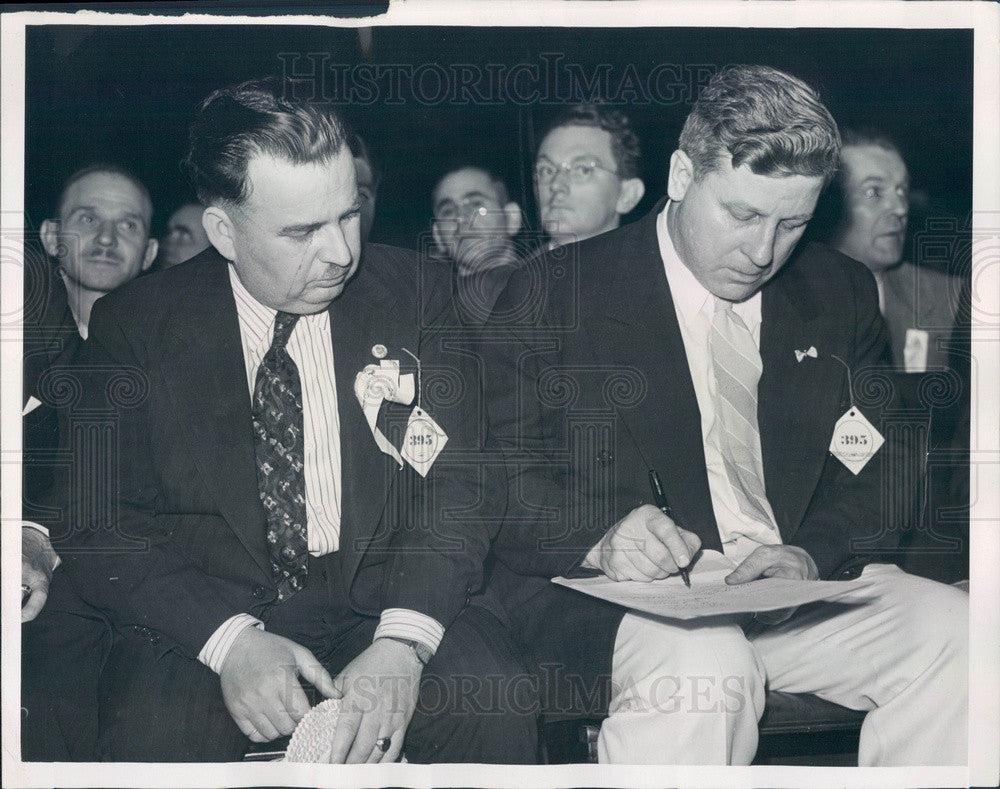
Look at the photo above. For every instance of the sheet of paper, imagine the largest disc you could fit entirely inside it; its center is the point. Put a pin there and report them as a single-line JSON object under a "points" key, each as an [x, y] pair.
{"points": [[709, 594]]}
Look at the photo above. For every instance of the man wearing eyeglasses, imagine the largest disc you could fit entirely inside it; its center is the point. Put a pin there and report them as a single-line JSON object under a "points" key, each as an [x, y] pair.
{"points": [[586, 174], [474, 226]]}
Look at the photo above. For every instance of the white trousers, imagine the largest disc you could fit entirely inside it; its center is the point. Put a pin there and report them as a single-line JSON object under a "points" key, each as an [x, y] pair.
{"points": [[692, 692]]}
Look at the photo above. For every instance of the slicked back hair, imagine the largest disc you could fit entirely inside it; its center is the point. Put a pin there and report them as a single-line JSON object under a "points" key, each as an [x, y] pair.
{"points": [[256, 117], [764, 118]]}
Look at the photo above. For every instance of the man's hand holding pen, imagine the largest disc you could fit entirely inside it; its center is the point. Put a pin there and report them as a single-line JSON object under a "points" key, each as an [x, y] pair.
{"points": [[645, 545]]}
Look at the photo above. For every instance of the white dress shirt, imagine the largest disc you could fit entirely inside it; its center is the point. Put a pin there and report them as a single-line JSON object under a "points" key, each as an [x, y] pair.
{"points": [[695, 307], [311, 348]]}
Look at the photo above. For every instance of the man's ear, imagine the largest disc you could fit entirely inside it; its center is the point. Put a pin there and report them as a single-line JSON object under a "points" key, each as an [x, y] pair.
{"points": [[512, 216], [151, 248], [219, 229], [50, 237], [681, 175], [438, 238], [629, 195]]}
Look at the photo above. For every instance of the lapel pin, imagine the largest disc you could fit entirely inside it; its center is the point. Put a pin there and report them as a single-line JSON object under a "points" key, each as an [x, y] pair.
{"points": [[379, 351], [800, 355]]}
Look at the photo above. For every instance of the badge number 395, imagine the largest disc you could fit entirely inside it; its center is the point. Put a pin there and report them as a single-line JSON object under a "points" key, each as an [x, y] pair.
{"points": [[421, 441], [854, 440]]}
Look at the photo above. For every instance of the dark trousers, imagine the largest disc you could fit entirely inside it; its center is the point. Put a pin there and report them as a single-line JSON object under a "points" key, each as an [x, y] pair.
{"points": [[476, 702], [62, 653]]}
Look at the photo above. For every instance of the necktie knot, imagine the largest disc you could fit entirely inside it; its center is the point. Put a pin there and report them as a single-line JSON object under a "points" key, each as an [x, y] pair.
{"points": [[722, 305], [284, 323], [724, 313]]}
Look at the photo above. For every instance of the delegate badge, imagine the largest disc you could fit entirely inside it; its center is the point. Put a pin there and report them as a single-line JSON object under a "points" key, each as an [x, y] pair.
{"points": [[855, 440]]}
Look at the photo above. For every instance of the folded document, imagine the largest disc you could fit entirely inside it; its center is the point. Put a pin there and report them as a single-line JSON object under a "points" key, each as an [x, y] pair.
{"points": [[709, 594]]}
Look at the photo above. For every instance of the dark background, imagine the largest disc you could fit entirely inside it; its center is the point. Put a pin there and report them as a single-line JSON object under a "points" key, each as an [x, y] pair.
{"points": [[126, 94]]}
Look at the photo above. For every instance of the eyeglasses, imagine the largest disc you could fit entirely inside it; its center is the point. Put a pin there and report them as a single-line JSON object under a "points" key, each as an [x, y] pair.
{"points": [[579, 171], [449, 211]]}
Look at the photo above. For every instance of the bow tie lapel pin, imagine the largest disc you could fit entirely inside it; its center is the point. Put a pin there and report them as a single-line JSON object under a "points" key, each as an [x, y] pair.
{"points": [[800, 355]]}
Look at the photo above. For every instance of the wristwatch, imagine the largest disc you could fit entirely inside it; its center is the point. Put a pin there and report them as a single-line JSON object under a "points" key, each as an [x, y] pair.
{"points": [[421, 652]]}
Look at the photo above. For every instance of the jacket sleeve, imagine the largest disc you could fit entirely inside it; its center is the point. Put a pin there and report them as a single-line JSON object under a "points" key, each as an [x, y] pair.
{"points": [[551, 523], [121, 556], [442, 525]]}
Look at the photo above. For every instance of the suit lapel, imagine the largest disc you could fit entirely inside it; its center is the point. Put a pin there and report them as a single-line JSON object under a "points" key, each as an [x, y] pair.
{"points": [[51, 339], [208, 387], [793, 395], [639, 327], [360, 319]]}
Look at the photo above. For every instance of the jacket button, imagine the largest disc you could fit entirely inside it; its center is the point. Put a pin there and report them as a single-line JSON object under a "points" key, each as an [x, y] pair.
{"points": [[154, 639], [605, 458], [258, 591]]}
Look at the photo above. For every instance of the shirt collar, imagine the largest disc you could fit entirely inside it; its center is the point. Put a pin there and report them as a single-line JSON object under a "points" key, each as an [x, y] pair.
{"points": [[689, 295], [258, 319]]}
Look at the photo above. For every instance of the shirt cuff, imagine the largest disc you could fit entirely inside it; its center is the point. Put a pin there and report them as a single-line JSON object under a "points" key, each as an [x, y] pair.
{"points": [[410, 626], [41, 529], [35, 526], [214, 653]]}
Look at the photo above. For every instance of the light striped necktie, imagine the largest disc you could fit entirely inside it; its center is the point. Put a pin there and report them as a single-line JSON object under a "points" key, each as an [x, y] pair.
{"points": [[737, 366]]}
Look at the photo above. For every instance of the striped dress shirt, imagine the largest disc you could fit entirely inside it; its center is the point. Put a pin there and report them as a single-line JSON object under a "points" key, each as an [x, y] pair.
{"points": [[311, 348]]}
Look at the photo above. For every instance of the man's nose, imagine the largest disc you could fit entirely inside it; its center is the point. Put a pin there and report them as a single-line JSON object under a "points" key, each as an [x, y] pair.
{"points": [[107, 234], [560, 181], [760, 248], [334, 248], [900, 203]]}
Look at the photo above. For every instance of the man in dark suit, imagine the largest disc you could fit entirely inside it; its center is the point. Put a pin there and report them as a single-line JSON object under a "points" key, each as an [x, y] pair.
{"points": [[287, 493], [475, 228], [865, 216], [698, 344], [919, 303], [99, 237]]}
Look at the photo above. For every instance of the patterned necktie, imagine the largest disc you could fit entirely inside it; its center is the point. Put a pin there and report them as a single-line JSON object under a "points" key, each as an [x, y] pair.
{"points": [[737, 365], [280, 449]]}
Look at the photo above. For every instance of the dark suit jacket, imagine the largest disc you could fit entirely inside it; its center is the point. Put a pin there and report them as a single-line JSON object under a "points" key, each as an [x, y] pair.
{"points": [[51, 339], [166, 530], [590, 388]]}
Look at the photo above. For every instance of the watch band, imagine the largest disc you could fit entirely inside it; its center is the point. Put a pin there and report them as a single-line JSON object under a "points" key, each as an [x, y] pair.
{"points": [[420, 651]]}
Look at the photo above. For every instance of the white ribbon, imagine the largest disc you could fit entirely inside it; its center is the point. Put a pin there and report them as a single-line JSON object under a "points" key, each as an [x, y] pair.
{"points": [[373, 386]]}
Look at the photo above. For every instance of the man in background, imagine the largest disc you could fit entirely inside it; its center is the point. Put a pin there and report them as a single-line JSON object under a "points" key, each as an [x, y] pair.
{"points": [[185, 236], [919, 303], [586, 174], [368, 180], [475, 224], [865, 215], [100, 240]]}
